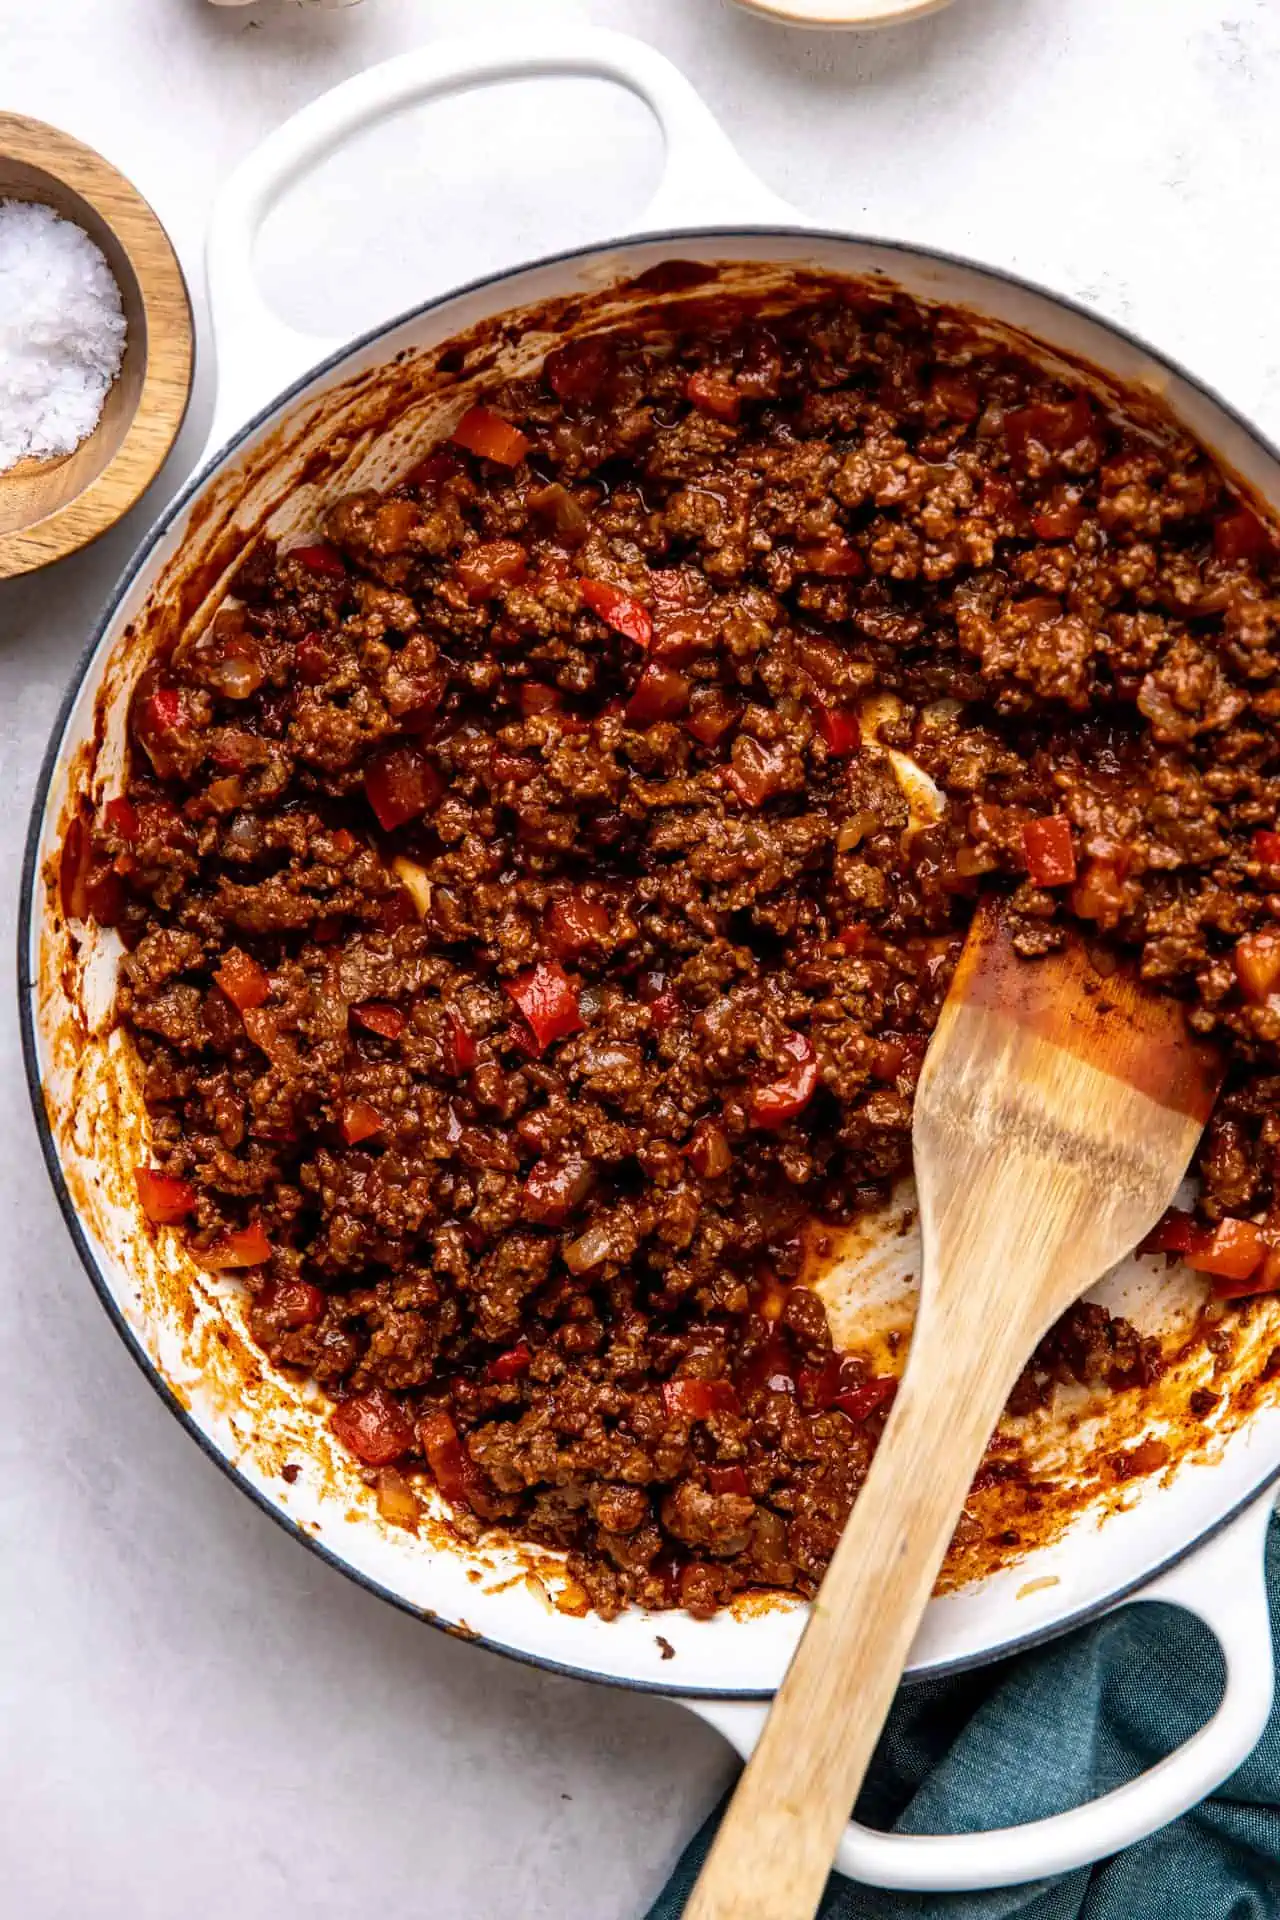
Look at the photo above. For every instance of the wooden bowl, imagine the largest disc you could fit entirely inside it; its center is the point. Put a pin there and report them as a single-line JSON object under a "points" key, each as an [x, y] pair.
{"points": [[50, 507]]}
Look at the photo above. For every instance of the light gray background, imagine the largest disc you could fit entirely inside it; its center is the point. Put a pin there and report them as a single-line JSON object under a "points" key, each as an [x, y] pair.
{"points": [[196, 1718]]}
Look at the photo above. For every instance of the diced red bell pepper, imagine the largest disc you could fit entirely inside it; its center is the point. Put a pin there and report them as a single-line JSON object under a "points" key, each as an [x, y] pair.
{"points": [[839, 728], [712, 393], [664, 1010], [575, 924], [242, 979], [160, 721], [460, 1054], [1055, 425], [1266, 847], [679, 633], [483, 570], [853, 938], [1050, 856], [711, 715], [755, 771], [418, 701], [1240, 536], [727, 1480], [360, 1120], [1060, 518], [835, 559], [166, 707], [1257, 960], [374, 1427], [579, 370], [619, 610], [510, 1365], [380, 1017], [686, 1399], [122, 817], [399, 785], [1233, 1250], [242, 1247], [660, 694], [398, 910], [455, 1472], [781, 1100], [320, 559], [165, 1198], [1174, 1232], [315, 657], [485, 433], [861, 1402], [1264, 1279], [546, 998], [296, 1303], [554, 1190]]}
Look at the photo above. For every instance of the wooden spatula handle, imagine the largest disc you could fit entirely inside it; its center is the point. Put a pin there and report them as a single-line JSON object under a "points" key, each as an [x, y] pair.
{"points": [[772, 1855]]}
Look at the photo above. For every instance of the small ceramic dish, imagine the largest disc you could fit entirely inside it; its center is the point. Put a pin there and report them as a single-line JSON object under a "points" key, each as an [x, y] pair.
{"points": [[843, 13], [50, 507]]}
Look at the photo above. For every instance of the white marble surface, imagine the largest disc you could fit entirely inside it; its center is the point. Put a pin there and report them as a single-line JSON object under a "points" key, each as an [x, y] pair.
{"points": [[197, 1718]]}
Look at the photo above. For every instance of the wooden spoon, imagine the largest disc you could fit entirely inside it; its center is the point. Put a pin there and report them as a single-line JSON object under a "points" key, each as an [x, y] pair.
{"points": [[1057, 1111]]}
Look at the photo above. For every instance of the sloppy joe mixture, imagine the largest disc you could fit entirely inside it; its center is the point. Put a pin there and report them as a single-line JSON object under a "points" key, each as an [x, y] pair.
{"points": [[539, 887]]}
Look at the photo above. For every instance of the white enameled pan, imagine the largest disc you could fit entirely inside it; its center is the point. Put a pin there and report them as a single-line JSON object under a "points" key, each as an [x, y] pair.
{"points": [[298, 419]]}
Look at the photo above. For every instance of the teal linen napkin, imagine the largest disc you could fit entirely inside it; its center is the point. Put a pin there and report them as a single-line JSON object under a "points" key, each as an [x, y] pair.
{"points": [[1050, 1730]]}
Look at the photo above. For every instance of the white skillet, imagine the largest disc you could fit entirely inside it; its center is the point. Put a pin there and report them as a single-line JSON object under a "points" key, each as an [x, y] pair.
{"points": [[1196, 1542]]}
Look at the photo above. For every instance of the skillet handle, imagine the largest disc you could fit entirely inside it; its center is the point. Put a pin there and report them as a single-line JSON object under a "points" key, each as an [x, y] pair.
{"points": [[703, 181], [1224, 1583]]}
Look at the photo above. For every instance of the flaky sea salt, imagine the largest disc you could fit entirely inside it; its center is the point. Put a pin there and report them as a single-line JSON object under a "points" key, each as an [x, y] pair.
{"points": [[62, 332]]}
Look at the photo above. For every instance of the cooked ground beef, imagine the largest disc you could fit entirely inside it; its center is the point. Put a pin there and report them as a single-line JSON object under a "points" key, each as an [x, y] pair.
{"points": [[530, 936]]}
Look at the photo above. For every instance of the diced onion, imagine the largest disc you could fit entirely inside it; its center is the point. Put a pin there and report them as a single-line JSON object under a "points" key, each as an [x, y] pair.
{"points": [[922, 795], [415, 882], [397, 1502], [590, 1249]]}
